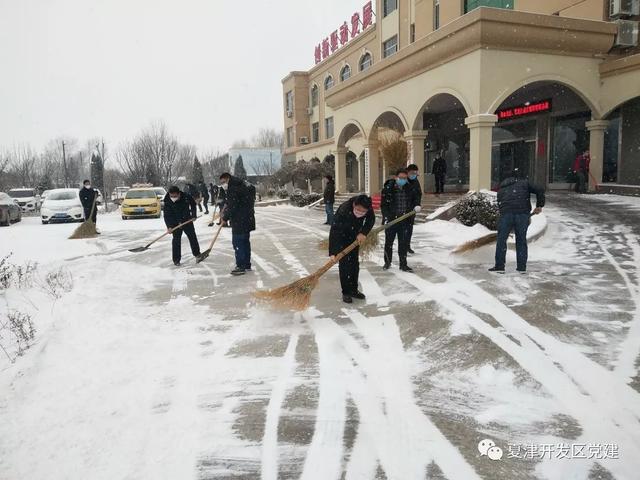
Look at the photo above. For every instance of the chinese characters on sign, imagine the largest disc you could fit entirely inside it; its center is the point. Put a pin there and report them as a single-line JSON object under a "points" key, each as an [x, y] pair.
{"points": [[340, 37], [523, 110]]}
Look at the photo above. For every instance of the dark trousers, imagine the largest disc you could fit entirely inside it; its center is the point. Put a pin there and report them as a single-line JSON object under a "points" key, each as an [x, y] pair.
{"points": [[176, 244], [581, 181], [440, 178], [87, 213], [508, 222], [349, 268], [402, 231], [242, 246], [205, 202], [328, 208]]}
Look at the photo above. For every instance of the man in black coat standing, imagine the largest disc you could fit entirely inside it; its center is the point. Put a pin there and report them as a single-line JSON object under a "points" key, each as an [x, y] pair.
{"points": [[414, 183], [178, 208], [204, 192], [439, 170], [398, 198], [329, 197], [89, 196], [514, 202], [239, 209], [353, 221]]}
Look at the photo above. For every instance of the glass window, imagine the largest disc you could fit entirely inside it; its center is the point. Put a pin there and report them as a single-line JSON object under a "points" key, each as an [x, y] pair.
{"points": [[290, 137], [345, 73], [366, 61], [412, 33], [22, 193], [436, 14], [315, 132], [328, 82], [66, 195], [570, 137], [611, 149], [390, 46], [328, 127], [473, 4], [389, 6], [314, 96], [135, 194], [289, 101]]}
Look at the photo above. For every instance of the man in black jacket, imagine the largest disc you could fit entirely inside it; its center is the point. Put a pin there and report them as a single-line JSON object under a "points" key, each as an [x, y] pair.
{"points": [[178, 208], [398, 198], [514, 202], [329, 197], [88, 196], [414, 183], [353, 221], [240, 199], [439, 170], [204, 193]]}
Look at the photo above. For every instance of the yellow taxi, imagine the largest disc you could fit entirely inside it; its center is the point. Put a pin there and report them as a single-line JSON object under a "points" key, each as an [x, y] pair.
{"points": [[140, 202]]}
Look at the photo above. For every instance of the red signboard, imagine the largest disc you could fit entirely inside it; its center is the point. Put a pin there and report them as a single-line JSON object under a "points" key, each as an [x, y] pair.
{"points": [[524, 110], [341, 36]]}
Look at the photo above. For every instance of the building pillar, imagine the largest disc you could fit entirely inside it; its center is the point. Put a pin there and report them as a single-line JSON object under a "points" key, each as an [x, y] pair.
{"points": [[341, 170], [415, 147], [481, 133], [371, 166], [596, 149], [361, 168]]}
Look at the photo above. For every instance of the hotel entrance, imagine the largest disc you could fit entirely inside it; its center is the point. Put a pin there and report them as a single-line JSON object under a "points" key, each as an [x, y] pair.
{"points": [[514, 146]]}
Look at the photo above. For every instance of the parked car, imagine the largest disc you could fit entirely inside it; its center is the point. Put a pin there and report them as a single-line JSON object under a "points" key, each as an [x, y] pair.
{"points": [[27, 198], [43, 195], [141, 202], [62, 205], [160, 193], [10, 211]]}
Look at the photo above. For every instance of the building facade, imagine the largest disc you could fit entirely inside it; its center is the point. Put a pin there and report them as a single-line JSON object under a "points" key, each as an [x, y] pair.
{"points": [[489, 85]]}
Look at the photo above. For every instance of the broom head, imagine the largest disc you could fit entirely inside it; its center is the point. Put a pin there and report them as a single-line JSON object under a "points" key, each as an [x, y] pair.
{"points": [[477, 243], [295, 296], [86, 230], [370, 245]]}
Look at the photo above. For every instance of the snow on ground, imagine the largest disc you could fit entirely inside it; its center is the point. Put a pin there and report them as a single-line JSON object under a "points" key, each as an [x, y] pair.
{"points": [[147, 371]]}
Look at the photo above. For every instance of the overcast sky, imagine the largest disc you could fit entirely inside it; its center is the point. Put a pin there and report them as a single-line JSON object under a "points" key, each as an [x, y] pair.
{"points": [[211, 69]]}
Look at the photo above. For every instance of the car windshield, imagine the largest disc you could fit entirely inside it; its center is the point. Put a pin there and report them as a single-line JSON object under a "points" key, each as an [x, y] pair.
{"points": [[132, 194], [21, 193], [62, 195]]}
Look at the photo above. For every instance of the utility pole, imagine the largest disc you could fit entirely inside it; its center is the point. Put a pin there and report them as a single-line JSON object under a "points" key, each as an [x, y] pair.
{"points": [[64, 161]]}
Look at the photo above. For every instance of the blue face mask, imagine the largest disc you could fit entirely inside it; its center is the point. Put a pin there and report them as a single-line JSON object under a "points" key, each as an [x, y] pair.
{"points": [[401, 181], [413, 177]]}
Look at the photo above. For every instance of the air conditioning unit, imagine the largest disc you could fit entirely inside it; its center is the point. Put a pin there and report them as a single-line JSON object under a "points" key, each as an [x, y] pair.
{"points": [[304, 140], [289, 113], [623, 8], [627, 35], [309, 111]]}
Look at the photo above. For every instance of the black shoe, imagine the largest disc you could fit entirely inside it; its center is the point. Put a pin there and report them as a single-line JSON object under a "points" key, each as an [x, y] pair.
{"points": [[347, 299], [358, 295], [176, 263], [497, 269], [406, 268], [409, 250], [386, 266], [238, 271], [521, 270]]}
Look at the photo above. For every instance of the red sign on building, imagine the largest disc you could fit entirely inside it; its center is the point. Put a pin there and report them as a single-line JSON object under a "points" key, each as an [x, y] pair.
{"points": [[524, 110], [340, 37]]}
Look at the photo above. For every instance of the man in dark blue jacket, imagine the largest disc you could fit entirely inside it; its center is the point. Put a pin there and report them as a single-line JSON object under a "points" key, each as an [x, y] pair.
{"points": [[239, 210], [178, 208], [353, 221], [88, 199], [514, 202]]}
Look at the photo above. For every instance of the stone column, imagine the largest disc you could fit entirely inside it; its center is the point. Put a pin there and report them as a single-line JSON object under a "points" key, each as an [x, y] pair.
{"points": [[415, 147], [481, 132], [596, 149], [371, 165], [341, 169]]}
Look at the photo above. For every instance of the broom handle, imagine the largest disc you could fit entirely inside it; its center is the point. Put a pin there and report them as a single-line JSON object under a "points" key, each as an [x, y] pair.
{"points": [[171, 231], [215, 237], [325, 268]]}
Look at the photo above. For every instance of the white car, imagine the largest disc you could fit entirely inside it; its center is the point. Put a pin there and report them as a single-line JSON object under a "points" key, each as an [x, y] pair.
{"points": [[62, 205], [160, 193], [27, 198]]}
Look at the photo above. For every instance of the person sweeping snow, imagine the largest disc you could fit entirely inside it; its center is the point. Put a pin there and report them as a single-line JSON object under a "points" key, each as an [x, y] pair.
{"points": [[178, 208], [88, 199], [353, 221]]}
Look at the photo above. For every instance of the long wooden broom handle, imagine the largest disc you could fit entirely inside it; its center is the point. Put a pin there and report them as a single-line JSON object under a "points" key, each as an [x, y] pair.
{"points": [[171, 231], [355, 243], [213, 241]]}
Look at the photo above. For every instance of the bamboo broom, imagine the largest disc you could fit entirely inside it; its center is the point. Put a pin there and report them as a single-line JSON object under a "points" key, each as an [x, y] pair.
{"points": [[297, 295], [487, 239], [86, 229]]}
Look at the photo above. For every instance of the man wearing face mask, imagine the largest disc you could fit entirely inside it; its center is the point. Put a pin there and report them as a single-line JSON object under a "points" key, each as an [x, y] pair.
{"points": [[398, 198], [178, 208], [87, 197], [353, 221], [416, 199]]}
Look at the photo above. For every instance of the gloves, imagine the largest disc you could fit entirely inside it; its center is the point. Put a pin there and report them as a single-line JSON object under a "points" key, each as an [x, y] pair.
{"points": [[417, 208]]}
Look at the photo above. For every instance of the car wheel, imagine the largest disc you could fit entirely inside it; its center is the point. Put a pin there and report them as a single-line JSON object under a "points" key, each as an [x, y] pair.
{"points": [[124, 217], [45, 222]]}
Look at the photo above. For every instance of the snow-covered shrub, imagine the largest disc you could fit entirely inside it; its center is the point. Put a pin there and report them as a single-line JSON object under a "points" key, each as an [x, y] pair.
{"points": [[57, 282], [18, 330], [20, 276], [300, 199], [282, 193], [478, 208]]}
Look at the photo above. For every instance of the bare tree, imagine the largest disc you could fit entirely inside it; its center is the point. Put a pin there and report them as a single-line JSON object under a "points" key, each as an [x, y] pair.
{"points": [[268, 138]]}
